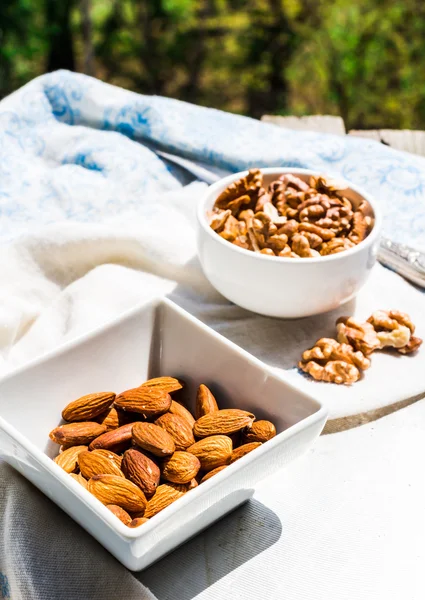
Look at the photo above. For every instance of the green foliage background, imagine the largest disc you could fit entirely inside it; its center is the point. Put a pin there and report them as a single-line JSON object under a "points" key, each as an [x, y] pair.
{"points": [[361, 59]]}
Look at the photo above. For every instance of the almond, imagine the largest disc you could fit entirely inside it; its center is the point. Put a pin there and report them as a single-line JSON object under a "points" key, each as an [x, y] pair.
{"points": [[68, 459], [178, 409], [212, 473], [225, 421], [120, 513], [153, 439], [80, 479], [165, 384], [178, 428], [242, 450], [205, 402], [181, 467], [110, 489], [112, 419], [114, 439], [109, 454], [260, 431], [93, 463], [88, 407], [213, 451], [141, 470], [74, 434], [138, 521], [192, 484], [166, 494], [147, 401]]}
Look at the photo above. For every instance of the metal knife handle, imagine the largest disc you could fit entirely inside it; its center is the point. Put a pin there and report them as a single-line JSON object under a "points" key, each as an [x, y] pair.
{"points": [[404, 260]]}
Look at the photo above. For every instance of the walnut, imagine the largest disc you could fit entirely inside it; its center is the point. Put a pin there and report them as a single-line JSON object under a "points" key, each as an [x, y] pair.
{"points": [[267, 251], [289, 228], [327, 185], [331, 361], [271, 211], [335, 245], [394, 329], [294, 182], [312, 212], [315, 217], [235, 205], [359, 228], [412, 345], [325, 234], [314, 240], [361, 336], [218, 219], [250, 185], [335, 371], [263, 197], [327, 349], [231, 229], [396, 338], [278, 242], [301, 246]]}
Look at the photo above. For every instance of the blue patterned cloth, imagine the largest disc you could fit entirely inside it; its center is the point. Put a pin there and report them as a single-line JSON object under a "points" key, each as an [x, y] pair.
{"points": [[74, 148]]}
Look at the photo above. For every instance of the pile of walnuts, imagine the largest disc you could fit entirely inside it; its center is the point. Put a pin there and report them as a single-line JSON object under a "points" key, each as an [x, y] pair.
{"points": [[290, 218], [342, 360]]}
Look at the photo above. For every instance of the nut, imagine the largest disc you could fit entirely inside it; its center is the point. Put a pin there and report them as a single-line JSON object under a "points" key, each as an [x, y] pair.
{"points": [[164, 384], [361, 336], [213, 451], [244, 449], [178, 409], [335, 371], [153, 439], [411, 346], [222, 422], [178, 428], [393, 329], [181, 467], [138, 521], [80, 479], [74, 434], [205, 402], [253, 218], [148, 401], [88, 407], [112, 419], [119, 512], [110, 455], [250, 185], [212, 473], [93, 463], [166, 494], [260, 431], [68, 459], [113, 440], [141, 470], [110, 489], [327, 349]]}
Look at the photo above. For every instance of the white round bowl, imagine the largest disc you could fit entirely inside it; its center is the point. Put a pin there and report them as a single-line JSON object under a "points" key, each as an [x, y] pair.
{"points": [[285, 287]]}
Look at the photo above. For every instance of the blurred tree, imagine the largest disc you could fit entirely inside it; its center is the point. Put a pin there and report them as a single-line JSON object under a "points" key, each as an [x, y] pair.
{"points": [[59, 35], [364, 60]]}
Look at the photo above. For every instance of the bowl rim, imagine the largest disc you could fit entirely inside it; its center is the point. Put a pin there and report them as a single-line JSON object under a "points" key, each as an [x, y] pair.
{"points": [[368, 241]]}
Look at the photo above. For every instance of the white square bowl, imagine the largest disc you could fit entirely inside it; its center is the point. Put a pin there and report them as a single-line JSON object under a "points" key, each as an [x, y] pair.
{"points": [[156, 339]]}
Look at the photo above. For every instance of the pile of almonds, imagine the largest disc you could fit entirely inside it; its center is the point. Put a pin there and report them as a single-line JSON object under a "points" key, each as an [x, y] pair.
{"points": [[291, 218], [141, 450], [344, 359]]}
